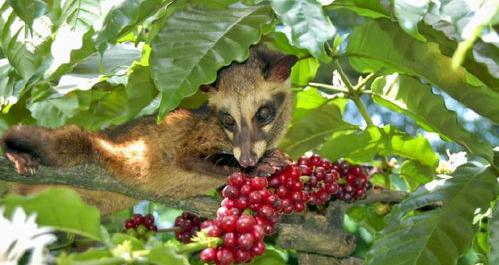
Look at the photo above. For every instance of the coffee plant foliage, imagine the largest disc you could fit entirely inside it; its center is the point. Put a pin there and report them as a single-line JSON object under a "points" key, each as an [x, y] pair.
{"points": [[98, 63]]}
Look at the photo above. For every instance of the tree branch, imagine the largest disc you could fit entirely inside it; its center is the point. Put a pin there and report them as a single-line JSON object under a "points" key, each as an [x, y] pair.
{"points": [[92, 177]]}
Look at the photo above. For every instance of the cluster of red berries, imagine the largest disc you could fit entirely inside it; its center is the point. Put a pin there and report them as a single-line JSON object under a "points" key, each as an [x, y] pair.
{"points": [[242, 239], [311, 180], [353, 182], [242, 233], [140, 226], [325, 179], [288, 187], [188, 225]]}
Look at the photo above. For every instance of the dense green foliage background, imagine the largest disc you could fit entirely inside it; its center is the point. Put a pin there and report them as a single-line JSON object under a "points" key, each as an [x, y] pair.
{"points": [[100, 63]]}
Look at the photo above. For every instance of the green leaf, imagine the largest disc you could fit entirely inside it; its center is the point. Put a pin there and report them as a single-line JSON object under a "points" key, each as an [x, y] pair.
{"points": [[140, 89], [306, 100], [313, 129], [366, 8], [395, 51], [415, 174], [271, 256], [409, 13], [123, 18], [23, 60], [166, 255], [88, 256], [73, 40], [409, 96], [362, 146], [120, 238], [441, 235], [366, 216], [478, 62], [55, 110], [279, 41], [195, 42], [80, 15], [494, 236], [60, 208], [10, 86], [310, 28], [304, 71], [28, 10]]}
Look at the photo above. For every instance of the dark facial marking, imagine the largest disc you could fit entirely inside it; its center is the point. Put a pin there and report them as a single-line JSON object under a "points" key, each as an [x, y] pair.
{"points": [[227, 120], [265, 115]]}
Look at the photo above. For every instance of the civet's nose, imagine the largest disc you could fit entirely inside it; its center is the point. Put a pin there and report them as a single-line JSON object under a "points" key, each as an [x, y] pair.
{"points": [[248, 162]]}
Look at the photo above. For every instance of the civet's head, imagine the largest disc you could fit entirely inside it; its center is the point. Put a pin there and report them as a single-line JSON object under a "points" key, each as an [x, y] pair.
{"points": [[253, 101]]}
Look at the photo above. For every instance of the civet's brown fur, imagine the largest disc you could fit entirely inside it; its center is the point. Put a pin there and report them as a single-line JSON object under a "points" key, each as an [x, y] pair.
{"points": [[178, 157]]}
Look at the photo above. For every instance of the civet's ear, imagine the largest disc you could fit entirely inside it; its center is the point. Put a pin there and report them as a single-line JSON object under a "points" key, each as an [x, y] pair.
{"points": [[275, 66], [208, 88], [281, 69]]}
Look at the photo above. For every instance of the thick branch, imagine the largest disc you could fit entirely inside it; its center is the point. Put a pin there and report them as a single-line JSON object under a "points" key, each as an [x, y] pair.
{"points": [[93, 177]]}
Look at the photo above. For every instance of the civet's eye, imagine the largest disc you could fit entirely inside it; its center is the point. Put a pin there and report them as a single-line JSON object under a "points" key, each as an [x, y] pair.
{"points": [[265, 115], [227, 120]]}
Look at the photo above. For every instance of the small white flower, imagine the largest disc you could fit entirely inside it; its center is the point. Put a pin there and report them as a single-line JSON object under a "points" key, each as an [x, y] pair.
{"points": [[455, 160], [20, 235]]}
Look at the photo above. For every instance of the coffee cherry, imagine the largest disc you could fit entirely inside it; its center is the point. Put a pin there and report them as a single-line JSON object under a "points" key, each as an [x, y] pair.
{"points": [[188, 225], [224, 257], [208, 255], [141, 227]]}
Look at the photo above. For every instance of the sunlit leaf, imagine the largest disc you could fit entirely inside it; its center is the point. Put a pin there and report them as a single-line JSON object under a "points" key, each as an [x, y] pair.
{"points": [[310, 28], [312, 130], [60, 208], [416, 100], [28, 10], [395, 51], [194, 43], [409, 13], [166, 255], [23, 60], [363, 145], [123, 18], [304, 71], [366, 8], [87, 256]]}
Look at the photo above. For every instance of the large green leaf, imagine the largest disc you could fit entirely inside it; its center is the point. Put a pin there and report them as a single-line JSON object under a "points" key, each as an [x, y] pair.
{"points": [[483, 62], [88, 256], [310, 28], [73, 40], [60, 208], [464, 21], [409, 96], [23, 60], [304, 71], [28, 10], [314, 127], [409, 13], [195, 42], [10, 86], [123, 18], [364, 145], [92, 100], [166, 255], [382, 45], [80, 15], [494, 236], [415, 174], [441, 235], [366, 8]]}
